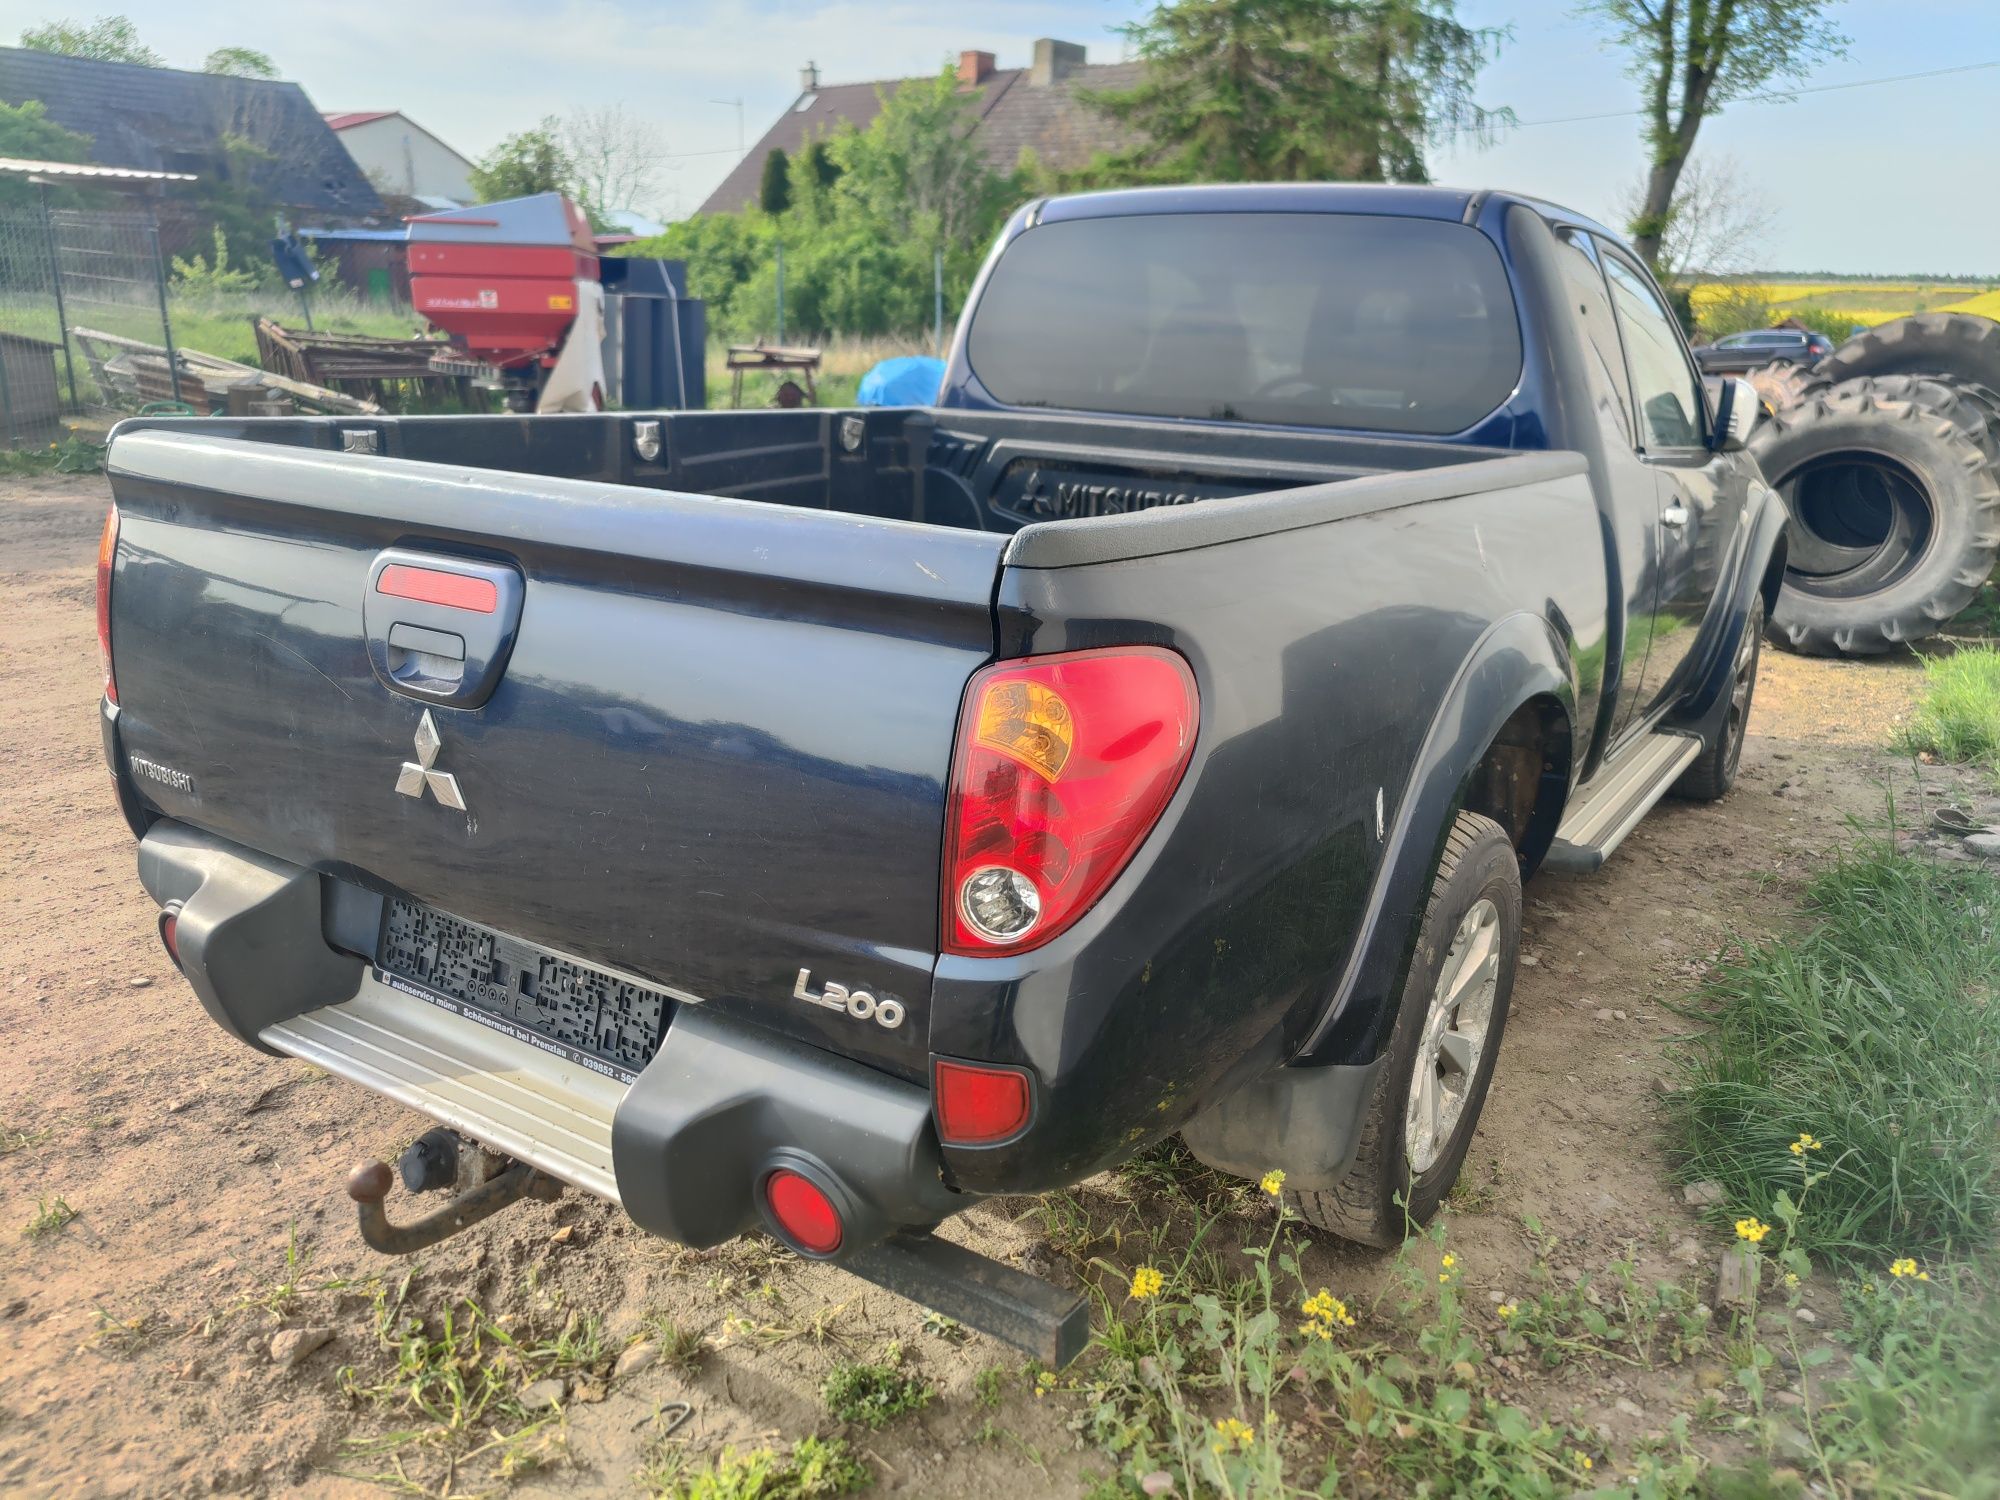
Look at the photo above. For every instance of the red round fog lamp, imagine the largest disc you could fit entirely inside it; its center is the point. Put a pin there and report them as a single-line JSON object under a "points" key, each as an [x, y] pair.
{"points": [[803, 1211]]}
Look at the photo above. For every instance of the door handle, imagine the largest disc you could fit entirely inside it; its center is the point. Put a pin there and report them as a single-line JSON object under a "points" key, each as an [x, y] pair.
{"points": [[1675, 516]]}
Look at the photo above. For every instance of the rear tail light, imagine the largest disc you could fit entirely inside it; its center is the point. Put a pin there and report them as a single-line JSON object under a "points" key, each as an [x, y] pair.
{"points": [[803, 1211], [107, 550], [976, 1105], [1064, 764]]}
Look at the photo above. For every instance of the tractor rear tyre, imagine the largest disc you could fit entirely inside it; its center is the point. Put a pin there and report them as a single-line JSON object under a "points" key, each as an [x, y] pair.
{"points": [[1958, 346], [1895, 506]]}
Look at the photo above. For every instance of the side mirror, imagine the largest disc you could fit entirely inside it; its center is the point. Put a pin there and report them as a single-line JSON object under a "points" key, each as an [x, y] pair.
{"points": [[1736, 415]]}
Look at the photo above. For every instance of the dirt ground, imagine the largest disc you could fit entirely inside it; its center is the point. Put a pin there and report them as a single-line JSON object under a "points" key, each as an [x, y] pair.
{"points": [[135, 1341]]}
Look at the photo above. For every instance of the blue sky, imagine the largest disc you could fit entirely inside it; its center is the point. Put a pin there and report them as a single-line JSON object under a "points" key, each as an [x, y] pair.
{"points": [[1876, 180]]}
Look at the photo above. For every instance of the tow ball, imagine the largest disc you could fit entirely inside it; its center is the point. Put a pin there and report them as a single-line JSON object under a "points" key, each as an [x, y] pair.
{"points": [[433, 1163]]}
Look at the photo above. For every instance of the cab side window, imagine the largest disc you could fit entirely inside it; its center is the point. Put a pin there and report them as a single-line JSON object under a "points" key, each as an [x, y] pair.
{"points": [[1606, 366], [1664, 384]]}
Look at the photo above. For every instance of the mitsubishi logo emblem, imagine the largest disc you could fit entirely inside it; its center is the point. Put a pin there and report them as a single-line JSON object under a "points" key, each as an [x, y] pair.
{"points": [[417, 774]]}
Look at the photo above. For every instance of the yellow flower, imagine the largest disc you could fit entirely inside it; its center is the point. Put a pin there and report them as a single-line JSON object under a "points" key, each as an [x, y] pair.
{"points": [[1506, 1310], [1323, 1310], [1791, 1278], [1230, 1433], [1044, 1383], [1907, 1267], [1146, 1282], [1752, 1229], [1449, 1260], [1805, 1143], [1582, 1460], [1273, 1183]]}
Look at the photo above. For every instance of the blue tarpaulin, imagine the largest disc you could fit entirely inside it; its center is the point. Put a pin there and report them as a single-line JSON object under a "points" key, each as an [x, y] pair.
{"points": [[912, 380]]}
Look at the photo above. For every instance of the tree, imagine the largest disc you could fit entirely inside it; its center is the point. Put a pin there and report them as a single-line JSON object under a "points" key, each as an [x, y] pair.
{"points": [[28, 134], [915, 171], [108, 39], [1716, 226], [533, 161], [1293, 90], [1692, 57], [240, 62], [870, 214], [615, 160], [774, 190]]}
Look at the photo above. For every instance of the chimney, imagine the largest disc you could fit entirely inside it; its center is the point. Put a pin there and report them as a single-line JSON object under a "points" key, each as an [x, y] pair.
{"points": [[1054, 61], [974, 68], [809, 78]]}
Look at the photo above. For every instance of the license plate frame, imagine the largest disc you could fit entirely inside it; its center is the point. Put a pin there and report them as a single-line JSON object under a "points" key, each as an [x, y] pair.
{"points": [[600, 1020]]}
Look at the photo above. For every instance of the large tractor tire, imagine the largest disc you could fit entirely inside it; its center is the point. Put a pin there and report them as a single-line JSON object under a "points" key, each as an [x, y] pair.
{"points": [[1783, 386], [1959, 346], [1895, 504]]}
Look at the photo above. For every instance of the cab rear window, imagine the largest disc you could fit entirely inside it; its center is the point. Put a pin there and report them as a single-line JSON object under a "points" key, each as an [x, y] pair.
{"points": [[1317, 320]]}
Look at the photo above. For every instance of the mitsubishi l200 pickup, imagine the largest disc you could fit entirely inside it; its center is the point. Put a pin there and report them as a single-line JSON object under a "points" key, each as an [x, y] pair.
{"points": [[821, 821]]}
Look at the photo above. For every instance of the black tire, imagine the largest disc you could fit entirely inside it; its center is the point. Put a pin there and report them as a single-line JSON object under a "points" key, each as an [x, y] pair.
{"points": [[1895, 506], [1783, 386], [1713, 773], [1479, 865], [1961, 346]]}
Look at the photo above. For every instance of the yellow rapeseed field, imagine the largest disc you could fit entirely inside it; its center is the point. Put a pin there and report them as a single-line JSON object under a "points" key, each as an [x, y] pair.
{"points": [[1857, 303]]}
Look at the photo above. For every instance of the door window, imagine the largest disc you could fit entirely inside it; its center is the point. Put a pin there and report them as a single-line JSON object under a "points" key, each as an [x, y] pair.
{"points": [[1664, 384], [1606, 368]]}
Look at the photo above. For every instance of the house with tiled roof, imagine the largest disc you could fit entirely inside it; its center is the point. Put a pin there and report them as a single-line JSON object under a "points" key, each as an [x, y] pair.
{"points": [[1039, 108], [169, 120], [401, 157]]}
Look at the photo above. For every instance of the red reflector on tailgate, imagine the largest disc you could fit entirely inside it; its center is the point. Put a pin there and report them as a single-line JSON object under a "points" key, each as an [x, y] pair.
{"points": [[434, 586]]}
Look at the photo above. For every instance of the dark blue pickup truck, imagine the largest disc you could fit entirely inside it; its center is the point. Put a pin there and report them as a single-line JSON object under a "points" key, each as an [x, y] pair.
{"points": [[823, 820]]}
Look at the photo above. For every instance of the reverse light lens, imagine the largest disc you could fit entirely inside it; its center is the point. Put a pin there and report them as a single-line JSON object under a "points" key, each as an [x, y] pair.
{"points": [[803, 1211], [978, 1105], [1063, 767], [999, 904], [107, 552]]}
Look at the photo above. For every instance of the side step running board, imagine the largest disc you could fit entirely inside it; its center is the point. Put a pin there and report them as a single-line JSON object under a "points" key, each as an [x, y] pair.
{"points": [[1623, 793], [1033, 1315]]}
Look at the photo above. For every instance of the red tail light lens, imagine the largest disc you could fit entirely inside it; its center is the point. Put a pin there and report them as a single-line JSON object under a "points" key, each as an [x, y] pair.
{"points": [[1064, 764], [803, 1211], [107, 550], [978, 1105]]}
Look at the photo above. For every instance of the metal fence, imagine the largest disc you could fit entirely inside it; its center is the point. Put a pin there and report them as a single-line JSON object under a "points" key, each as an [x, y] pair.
{"points": [[80, 290]]}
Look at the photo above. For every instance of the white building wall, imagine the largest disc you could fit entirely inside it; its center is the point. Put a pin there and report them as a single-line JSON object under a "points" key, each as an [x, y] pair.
{"points": [[401, 157]]}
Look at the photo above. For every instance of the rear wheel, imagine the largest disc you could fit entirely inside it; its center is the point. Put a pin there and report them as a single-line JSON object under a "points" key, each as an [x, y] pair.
{"points": [[1714, 772], [1446, 1039]]}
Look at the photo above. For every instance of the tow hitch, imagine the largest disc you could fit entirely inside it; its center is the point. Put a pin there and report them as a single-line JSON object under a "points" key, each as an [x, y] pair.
{"points": [[430, 1164]]}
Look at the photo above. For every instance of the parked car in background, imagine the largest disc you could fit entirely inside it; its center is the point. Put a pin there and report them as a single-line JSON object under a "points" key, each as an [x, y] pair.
{"points": [[1742, 352]]}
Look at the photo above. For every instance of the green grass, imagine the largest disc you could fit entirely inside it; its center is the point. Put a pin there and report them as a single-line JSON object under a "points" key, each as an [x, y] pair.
{"points": [[51, 1215], [873, 1395], [814, 1468], [1958, 719], [1877, 1031], [453, 1391]]}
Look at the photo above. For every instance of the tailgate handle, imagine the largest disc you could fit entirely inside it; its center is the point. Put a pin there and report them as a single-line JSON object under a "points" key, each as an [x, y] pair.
{"points": [[441, 628]]}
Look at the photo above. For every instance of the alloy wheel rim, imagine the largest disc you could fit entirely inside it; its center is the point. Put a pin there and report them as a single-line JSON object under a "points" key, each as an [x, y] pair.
{"points": [[1454, 1037], [1740, 689]]}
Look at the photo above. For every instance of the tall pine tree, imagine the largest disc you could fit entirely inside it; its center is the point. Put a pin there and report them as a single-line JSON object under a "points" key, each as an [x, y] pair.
{"points": [[1297, 90]]}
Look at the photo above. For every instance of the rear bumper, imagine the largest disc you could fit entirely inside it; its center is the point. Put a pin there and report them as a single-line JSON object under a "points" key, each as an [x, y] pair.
{"points": [[684, 1148]]}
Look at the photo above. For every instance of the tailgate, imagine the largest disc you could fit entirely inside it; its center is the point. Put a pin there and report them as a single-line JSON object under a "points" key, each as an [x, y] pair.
{"points": [[701, 742]]}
